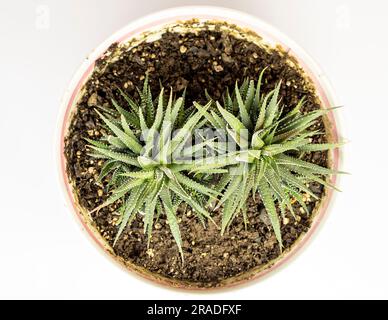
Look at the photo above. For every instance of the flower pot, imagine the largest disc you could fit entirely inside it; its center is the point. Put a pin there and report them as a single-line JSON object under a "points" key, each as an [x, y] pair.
{"points": [[150, 28]]}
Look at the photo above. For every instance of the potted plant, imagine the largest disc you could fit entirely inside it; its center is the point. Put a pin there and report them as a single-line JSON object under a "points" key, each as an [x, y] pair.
{"points": [[139, 188]]}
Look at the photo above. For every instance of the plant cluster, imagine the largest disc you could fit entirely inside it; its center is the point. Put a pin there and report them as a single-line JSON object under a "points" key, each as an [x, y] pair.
{"points": [[153, 166]]}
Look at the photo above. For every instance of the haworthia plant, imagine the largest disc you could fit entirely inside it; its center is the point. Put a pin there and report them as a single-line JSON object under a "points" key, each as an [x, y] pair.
{"points": [[153, 170], [267, 138], [140, 155]]}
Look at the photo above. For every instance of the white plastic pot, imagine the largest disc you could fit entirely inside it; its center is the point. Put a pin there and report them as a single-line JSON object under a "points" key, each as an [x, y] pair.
{"points": [[156, 22]]}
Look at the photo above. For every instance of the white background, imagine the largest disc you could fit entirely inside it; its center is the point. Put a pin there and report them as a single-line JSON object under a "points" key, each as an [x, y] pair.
{"points": [[43, 254]]}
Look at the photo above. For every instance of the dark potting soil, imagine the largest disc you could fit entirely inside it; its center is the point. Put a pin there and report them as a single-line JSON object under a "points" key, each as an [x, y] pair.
{"points": [[211, 60]]}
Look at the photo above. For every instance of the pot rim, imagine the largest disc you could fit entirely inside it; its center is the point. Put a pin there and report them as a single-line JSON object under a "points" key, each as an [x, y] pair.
{"points": [[155, 21]]}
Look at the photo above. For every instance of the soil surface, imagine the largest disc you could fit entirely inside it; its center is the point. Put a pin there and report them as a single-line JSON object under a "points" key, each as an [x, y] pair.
{"points": [[211, 60]]}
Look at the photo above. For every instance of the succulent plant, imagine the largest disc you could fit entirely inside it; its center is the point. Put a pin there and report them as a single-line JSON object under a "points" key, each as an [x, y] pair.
{"points": [[151, 169], [270, 144]]}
